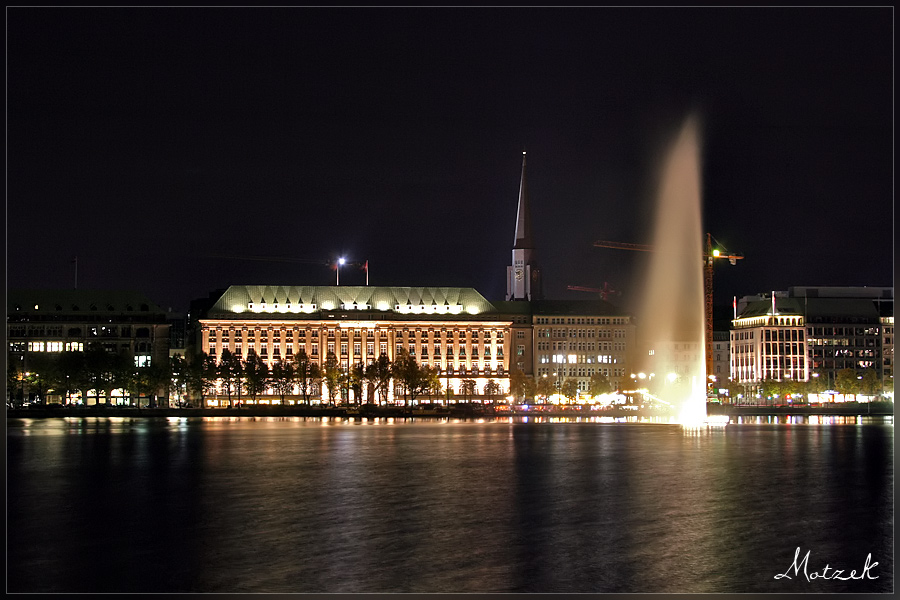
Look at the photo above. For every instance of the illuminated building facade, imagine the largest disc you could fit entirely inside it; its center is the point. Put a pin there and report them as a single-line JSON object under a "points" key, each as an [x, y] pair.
{"points": [[847, 330], [42, 322], [455, 330], [839, 327], [768, 342], [575, 339]]}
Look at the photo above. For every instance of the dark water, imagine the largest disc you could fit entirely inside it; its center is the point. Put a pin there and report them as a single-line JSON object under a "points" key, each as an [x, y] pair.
{"points": [[308, 505]]}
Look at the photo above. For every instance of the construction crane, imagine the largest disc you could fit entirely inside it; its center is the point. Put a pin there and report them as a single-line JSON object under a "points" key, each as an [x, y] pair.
{"points": [[604, 292], [709, 256]]}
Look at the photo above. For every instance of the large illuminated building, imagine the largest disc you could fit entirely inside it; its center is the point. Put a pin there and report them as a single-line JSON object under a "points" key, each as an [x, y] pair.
{"points": [[453, 329], [473, 342]]}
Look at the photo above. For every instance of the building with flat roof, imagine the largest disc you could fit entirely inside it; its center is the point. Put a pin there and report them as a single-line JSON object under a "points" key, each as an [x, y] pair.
{"points": [[838, 328], [51, 322], [455, 330]]}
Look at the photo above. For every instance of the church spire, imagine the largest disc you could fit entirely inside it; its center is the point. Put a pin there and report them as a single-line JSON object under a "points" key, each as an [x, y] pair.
{"points": [[523, 280], [523, 216]]}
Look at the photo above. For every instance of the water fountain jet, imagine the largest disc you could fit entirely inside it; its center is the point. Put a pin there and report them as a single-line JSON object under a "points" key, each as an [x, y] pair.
{"points": [[672, 308]]}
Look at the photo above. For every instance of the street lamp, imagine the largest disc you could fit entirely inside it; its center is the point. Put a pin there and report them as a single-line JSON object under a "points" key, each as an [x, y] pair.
{"points": [[338, 270]]}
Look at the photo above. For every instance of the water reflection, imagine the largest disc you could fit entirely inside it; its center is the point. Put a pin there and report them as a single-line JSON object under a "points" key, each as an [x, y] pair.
{"points": [[282, 504], [814, 420]]}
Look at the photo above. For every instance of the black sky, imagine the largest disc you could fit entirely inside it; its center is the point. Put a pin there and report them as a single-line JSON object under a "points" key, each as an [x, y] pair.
{"points": [[151, 142]]}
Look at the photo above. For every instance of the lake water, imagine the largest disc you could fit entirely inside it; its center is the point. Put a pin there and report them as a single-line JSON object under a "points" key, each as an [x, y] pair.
{"points": [[282, 505]]}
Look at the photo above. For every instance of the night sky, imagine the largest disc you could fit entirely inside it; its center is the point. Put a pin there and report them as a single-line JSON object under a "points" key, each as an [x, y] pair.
{"points": [[166, 147]]}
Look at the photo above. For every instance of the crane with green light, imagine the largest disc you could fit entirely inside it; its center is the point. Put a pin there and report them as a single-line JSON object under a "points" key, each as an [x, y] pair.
{"points": [[710, 254]]}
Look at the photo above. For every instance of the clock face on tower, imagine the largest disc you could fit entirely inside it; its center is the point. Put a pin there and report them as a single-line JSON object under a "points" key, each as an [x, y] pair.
{"points": [[519, 274]]}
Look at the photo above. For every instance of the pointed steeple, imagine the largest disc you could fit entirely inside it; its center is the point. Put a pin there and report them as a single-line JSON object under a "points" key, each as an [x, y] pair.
{"points": [[523, 279], [523, 216]]}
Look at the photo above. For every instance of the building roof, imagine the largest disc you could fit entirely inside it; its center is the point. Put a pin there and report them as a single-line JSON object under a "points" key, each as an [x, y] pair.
{"points": [[48, 302], [761, 308], [839, 308], [576, 307], [884, 293], [266, 301]]}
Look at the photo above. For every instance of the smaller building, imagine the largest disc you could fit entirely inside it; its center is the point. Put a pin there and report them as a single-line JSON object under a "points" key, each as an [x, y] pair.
{"points": [[43, 323], [768, 342]]}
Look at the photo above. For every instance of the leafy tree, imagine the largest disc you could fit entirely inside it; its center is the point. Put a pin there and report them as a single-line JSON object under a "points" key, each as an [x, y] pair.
{"points": [[356, 379], [71, 374], [14, 375], [410, 375], [178, 376], [42, 374], [544, 388], [98, 365], [201, 375], [846, 382], [432, 376], [733, 387], [530, 388], [518, 382], [137, 384], [869, 384], [600, 384], [817, 382], [770, 388], [231, 372], [467, 389], [332, 375], [569, 389], [492, 389], [282, 378], [160, 375], [380, 373], [307, 373], [256, 374]]}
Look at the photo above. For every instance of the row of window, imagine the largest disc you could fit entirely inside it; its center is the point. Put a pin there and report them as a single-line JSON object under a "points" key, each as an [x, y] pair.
{"points": [[90, 331], [54, 346], [581, 320], [579, 358], [581, 333], [359, 333], [577, 372]]}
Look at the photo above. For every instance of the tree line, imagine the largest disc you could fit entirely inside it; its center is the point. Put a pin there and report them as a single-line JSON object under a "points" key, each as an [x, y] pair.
{"points": [[96, 373]]}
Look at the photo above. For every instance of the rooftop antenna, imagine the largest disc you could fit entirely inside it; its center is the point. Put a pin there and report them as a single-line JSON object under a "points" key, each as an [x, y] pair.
{"points": [[75, 260]]}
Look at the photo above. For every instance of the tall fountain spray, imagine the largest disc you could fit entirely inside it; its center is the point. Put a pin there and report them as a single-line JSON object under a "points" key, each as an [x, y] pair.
{"points": [[672, 310]]}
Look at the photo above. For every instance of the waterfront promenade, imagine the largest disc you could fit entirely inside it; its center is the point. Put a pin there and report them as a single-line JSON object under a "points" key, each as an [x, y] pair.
{"points": [[458, 411]]}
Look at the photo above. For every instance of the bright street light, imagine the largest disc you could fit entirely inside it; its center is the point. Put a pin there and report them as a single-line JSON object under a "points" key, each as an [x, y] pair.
{"points": [[338, 270]]}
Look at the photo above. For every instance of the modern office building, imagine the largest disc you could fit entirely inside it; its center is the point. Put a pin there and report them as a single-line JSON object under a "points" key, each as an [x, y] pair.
{"points": [[813, 332]]}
